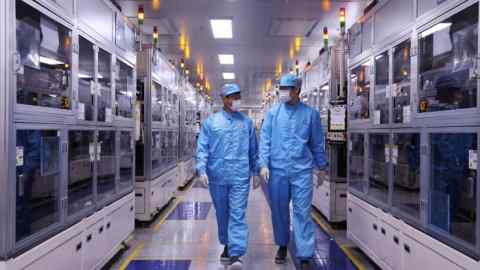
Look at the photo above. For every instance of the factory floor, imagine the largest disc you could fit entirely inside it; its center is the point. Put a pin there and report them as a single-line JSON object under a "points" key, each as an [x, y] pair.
{"points": [[184, 236]]}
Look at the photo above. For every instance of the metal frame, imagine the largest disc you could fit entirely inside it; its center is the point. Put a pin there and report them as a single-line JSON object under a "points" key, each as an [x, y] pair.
{"points": [[453, 121]]}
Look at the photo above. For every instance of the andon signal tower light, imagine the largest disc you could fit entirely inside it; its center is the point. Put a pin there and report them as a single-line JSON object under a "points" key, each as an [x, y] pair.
{"points": [[325, 38], [342, 21]]}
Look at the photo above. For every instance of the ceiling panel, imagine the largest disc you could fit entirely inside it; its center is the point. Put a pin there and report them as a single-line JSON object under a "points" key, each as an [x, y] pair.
{"points": [[264, 33]]}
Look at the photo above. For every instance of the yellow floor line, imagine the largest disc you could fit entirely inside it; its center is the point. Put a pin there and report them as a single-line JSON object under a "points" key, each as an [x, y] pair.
{"points": [[132, 256], [355, 261], [322, 224], [345, 248], [172, 207]]}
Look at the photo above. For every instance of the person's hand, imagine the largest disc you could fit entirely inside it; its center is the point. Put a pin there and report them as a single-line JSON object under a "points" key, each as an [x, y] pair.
{"points": [[321, 176], [256, 182], [265, 174], [204, 179]]}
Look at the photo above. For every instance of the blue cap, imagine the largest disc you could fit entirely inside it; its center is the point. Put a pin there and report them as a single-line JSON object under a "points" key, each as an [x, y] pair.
{"points": [[289, 80], [230, 89]]}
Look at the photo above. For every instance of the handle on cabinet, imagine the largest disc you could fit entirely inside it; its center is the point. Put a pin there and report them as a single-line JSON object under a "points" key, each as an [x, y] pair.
{"points": [[343, 195], [326, 194], [131, 208], [395, 239], [383, 231], [100, 230], [406, 248], [138, 195], [375, 227], [79, 247], [350, 210], [108, 225], [89, 238]]}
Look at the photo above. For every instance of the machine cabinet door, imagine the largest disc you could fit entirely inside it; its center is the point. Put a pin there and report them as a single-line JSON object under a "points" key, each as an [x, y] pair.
{"points": [[44, 48], [38, 182], [124, 90], [104, 87], [106, 164], [126, 160]]}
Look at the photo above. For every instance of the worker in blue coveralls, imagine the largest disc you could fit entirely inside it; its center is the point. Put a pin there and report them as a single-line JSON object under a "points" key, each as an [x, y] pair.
{"points": [[226, 160], [291, 145]]}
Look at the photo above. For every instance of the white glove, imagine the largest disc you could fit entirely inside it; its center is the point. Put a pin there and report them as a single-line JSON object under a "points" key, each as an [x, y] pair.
{"points": [[204, 179], [265, 174]]}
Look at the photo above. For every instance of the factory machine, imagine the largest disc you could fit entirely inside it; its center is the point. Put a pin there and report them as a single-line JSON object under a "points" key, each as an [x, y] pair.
{"points": [[67, 97], [188, 134], [157, 124], [413, 133], [324, 88]]}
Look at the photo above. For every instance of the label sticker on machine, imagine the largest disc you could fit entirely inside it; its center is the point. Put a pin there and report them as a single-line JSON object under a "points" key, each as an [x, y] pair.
{"points": [[81, 111], [388, 91], [99, 150], [376, 117], [91, 151], [395, 154], [92, 88], [472, 159], [108, 115], [19, 156], [387, 153], [394, 89], [406, 114], [350, 146]]}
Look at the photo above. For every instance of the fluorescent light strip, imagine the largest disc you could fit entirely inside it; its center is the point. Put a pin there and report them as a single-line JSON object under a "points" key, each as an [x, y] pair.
{"points": [[226, 59], [229, 76], [435, 28], [50, 61], [221, 28]]}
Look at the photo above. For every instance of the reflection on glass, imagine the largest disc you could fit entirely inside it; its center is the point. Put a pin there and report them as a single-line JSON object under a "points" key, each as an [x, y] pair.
{"points": [[37, 181], [428, 5], [124, 90], [356, 170], [448, 53], [380, 100], [157, 102], [378, 159], [406, 173], [323, 103], [157, 151], [45, 51], [360, 91], [81, 156], [86, 80], [105, 86], [355, 39], [453, 187], [401, 83], [106, 163], [126, 159]]}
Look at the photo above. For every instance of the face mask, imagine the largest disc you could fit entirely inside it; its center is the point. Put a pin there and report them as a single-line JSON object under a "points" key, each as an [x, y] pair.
{"points": [[284, 95], [236, 105]]}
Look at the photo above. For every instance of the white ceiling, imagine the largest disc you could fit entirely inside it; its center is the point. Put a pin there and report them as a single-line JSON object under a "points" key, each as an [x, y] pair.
{"points": [[263, 34]]}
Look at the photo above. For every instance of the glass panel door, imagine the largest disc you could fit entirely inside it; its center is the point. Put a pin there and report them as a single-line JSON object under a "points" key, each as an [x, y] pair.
{"points": [[447, 56], [406, 173], [401, 83], [381, 98], [360, 92], [38, 176], [126, 159], [124, 90], [81, 157], [378, 162], [453, 185], [106, 168], [157, 103], [356, 167], [86, 80], [45, 50], [104, 92]]}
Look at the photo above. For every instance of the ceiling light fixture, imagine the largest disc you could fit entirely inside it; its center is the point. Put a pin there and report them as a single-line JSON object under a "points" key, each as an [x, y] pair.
{"points": [[221, 28], [228, 76], [226, 59]]}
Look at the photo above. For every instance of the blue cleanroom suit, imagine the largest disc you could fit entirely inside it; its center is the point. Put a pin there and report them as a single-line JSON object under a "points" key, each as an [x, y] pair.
{"points": [[227, 153], [291, 144]]}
